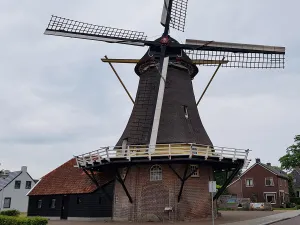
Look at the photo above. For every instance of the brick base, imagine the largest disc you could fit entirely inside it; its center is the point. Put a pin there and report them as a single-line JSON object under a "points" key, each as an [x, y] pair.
{"points": [[151, 197]]}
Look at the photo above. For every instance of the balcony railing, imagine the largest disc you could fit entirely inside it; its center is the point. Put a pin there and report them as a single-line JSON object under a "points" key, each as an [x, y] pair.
{"points": [[106, 154]]}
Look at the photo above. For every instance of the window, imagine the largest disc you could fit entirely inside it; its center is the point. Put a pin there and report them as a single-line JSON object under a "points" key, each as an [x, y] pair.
{"points": [[52, 205], [294, 180], [100, 200], [186, 114], [79, 200], [124, 172], [17, 184], [28, 185], [269, 181], [280, 182], [297, 194], [194, 168], [155, 173], [271, 198], [285, 183], [39, 204], [249, 182], [6, 203]]}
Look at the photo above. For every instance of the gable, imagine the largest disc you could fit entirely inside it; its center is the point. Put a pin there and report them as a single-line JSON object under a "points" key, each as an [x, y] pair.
{"points": [[23, 177]]}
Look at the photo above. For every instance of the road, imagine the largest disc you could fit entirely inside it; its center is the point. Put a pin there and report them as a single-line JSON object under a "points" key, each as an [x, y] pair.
{"points": [[293, 221]]}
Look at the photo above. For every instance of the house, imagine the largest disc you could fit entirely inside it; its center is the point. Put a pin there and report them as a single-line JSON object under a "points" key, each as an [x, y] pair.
{"points": [[262, 183], [69, 193], [296, 181], [14, 187]]}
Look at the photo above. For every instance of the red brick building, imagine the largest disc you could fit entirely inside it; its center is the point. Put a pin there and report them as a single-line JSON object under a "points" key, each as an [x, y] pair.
{"points": [[262, 183]]}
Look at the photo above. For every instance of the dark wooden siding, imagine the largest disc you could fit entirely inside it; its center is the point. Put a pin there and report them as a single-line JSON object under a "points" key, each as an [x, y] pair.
{"points": [[95, 204], [46, 210]]}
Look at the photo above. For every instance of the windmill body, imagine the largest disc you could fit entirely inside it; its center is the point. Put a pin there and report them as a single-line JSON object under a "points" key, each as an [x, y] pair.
{"points": [[179, 120], [164, 159]]}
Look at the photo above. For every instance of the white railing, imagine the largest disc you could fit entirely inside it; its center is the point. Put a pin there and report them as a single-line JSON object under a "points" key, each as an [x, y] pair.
{"points": [[161, 150]]}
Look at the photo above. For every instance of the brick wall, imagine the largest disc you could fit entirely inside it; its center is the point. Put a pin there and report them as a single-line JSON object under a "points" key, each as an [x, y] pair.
{"points": [[151, 197], [236, 189]]}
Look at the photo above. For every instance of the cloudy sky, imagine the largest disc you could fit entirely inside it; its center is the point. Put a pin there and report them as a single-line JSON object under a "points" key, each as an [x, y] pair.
{"points": [[58, 99]]}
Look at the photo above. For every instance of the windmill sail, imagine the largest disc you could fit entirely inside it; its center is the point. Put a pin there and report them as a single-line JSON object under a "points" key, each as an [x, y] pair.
{"points": [[237, 55], [59, 26], [178, 13]]}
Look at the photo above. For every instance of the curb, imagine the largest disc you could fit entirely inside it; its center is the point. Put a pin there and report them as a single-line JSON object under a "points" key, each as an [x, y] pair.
{"points": [[278, 220]]}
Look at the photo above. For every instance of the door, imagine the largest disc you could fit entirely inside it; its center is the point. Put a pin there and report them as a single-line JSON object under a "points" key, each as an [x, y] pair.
{"points": [[65, 207]]}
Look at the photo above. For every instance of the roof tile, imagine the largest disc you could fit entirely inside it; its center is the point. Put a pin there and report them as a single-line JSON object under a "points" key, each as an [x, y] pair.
{"points": [[67, 179]]}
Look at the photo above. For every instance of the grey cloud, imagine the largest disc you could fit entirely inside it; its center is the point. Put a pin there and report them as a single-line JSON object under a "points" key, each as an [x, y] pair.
{"points": [[58, 99]]}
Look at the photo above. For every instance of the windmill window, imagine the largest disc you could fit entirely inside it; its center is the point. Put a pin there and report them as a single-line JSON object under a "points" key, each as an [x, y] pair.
{"points": [[194, 168], [186, 114], [155, 173]]}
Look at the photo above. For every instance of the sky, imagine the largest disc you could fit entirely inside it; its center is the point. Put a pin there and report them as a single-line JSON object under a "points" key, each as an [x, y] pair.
{"points": [[57, 99]]}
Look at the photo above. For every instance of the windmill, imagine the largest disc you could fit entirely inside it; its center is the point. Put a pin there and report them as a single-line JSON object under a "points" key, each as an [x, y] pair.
{"points": [[165, 125]]}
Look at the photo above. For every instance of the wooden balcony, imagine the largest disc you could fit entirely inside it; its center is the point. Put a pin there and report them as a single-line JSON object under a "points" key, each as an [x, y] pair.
{"points": [[113, 154]]}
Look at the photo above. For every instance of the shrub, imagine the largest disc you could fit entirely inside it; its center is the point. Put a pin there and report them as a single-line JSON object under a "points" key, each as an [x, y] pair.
{"points": [[11, 212], [295, 200], [12, 220], [297, 206]]}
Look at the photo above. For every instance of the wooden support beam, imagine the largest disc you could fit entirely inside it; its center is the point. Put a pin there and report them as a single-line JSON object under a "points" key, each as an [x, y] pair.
{"points": [[117, 75], [210, 80], [228, 180], [92, 177], [135, 61], [182, 182], [119, 178]]}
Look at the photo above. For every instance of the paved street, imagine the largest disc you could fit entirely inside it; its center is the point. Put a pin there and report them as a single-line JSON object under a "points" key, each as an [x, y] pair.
{"points": [[227, 217], [294, 221]]}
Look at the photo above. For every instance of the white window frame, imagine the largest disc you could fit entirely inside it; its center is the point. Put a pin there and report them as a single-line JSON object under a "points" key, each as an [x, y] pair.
{"points": [[266, 194], [196, 173], [246, 183], [280, 182], [6, 205], [271, 179], [155, 173]]}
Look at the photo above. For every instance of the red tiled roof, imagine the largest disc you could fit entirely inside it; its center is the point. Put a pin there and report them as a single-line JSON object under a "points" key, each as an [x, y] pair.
{"points": [[66, 179]]}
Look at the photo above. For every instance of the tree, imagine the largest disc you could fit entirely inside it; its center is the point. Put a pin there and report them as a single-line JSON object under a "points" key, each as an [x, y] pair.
{"points": [[291, 186], [291, 159]]}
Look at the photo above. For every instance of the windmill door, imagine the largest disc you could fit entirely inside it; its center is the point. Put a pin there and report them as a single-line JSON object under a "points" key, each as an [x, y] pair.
{"points": [[65, 207]]}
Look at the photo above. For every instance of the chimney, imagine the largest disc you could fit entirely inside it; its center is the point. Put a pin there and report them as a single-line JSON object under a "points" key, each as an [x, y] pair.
{"points": [[24, 168], [257, 160], [268, 164]]}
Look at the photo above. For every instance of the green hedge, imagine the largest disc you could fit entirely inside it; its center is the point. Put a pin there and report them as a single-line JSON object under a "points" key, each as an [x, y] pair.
{"points": [[12, 220], [11, 212], [295, 200]]}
